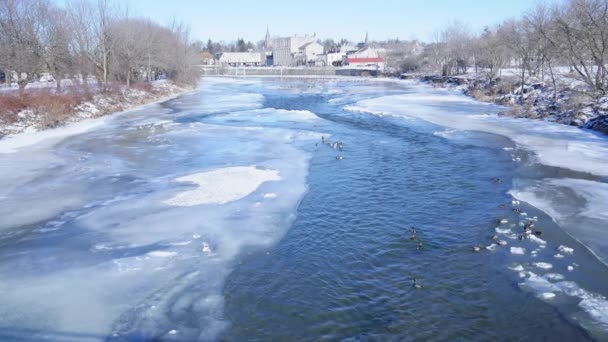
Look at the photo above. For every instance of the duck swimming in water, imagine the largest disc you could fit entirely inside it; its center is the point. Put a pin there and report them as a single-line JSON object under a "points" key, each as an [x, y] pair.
{"points": [[477, 248], [339, 157], [415, 284]]}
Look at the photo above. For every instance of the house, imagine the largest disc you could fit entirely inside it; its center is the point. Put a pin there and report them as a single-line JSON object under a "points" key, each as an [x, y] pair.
{"points": [[366, 58], [311, 52], [293, 51], [242, 58], [334, 59]]}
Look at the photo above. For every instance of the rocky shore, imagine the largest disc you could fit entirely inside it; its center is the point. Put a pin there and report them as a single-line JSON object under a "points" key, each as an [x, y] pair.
{"points": [[567, 102]]}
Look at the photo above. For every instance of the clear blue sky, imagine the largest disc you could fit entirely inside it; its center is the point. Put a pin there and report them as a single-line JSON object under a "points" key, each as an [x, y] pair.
{"points": [[227, 20]]}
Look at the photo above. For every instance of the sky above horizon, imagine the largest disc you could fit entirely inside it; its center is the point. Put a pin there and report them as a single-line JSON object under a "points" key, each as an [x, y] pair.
{"points": [[383, 19]]}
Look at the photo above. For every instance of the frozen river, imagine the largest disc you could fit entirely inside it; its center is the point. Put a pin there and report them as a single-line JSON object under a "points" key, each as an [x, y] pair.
{"points": [[227, 214]]}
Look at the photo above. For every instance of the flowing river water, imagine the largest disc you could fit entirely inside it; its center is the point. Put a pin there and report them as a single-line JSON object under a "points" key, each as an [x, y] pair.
{"points": [[231, 213]]}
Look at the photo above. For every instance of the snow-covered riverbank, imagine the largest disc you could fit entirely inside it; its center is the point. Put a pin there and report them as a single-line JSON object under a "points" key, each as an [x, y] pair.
{"points": [[39, 118]]}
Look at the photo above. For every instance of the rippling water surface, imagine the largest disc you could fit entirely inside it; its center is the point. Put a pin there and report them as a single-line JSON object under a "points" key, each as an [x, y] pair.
{"points": [[91, 247]]}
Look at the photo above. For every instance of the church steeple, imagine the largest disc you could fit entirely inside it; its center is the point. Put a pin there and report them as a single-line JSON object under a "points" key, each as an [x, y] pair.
{"points": [[267, 39], [366, 38]]}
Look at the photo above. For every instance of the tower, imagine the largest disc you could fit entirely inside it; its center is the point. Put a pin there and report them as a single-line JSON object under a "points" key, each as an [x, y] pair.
{"points": [[267, 42], [366, 38]]}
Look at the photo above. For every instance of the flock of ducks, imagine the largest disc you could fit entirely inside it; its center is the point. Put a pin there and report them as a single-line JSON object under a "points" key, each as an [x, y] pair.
{"points": [[336, 145], [528, 228]]}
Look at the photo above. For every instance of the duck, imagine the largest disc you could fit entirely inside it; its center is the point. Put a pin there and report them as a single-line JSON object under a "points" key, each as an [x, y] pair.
{"points": [[339, 157], [538, 232], [494, 237], [501, 242], [477, 248], [419, 245], [415, 284], [521, 237]]}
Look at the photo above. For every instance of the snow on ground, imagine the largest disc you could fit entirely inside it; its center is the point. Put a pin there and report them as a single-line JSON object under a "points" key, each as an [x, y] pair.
{"points": [[100, 104], [222, 186], [86, 116]]}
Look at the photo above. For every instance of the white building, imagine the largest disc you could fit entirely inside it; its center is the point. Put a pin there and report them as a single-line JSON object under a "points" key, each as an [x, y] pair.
{"points": [[242, 58], [293, 51], [366, 58], [311, 52]]}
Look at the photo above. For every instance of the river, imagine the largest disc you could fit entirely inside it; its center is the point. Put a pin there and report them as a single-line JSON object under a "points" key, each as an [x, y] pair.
{"points": [[282, 209]]}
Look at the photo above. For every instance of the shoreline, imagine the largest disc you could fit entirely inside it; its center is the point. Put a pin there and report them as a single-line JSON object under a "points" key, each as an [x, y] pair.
{"points": [[11, 143]]}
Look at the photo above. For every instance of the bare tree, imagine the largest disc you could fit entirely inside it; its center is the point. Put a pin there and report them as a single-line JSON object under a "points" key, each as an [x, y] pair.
{"points": [[56, 39], [21, 24]]}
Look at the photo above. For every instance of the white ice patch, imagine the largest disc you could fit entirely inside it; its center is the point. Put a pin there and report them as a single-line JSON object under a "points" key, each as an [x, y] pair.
{"points": [[162, 254], [536, 239], [543, 265], [517, 268], [565, 250], [270, 195], [503, 230], [547, 295], [222, 185], [518, 250]]}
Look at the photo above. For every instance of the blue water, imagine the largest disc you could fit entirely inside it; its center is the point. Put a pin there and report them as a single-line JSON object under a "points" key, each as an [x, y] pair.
{"points": [[322, 254]]}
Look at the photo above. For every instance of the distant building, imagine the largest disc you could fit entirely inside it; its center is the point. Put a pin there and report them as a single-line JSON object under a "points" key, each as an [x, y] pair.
{"points": [[311, 52], [366, 58], [334, 59], [294, 50], [242, 58]]}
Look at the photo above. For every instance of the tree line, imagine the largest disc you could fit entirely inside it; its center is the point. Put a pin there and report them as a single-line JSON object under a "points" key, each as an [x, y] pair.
{"points": [[90, 38], [573, 34]]}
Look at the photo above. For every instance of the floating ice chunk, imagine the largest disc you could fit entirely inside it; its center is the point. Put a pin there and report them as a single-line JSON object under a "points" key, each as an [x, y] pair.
{"points": [[173, 332], [543, 265], [196, 236], [270, 195], [518, 250], [180, 243], [503, 221], [222, 185], [517, 268], [565, 250], [554, 276], [570, 268], [206, 248], [491, 247], [547, 295], [503, 230], [558, 256], [162, 254], [538, 240], [515, 202]]}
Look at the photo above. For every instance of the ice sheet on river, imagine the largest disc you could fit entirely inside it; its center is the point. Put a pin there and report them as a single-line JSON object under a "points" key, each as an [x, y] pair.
{"points": [[90, 249], [554, 144]]}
